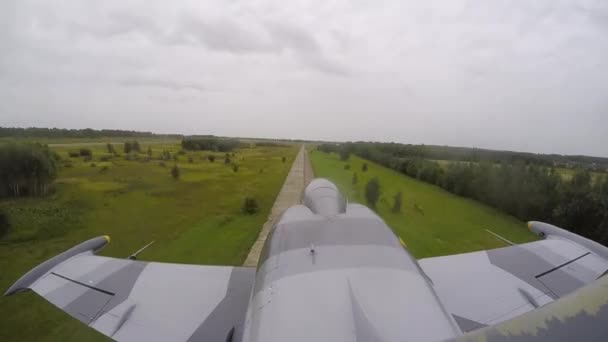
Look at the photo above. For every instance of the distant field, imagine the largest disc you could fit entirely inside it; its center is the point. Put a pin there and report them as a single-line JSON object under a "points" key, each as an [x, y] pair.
{"points": [[196, 219], [445, 224]]}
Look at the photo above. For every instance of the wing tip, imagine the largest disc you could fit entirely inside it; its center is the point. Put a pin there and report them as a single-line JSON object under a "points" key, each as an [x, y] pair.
{"points": [[23, 283]]}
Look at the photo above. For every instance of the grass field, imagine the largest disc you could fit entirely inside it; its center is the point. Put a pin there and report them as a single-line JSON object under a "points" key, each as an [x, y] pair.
{"points": [[432, 221], [196, 219]]}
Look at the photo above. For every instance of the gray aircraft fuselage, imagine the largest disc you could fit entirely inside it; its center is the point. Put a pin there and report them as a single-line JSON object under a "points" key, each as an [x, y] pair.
{"points": [[332, 271]]}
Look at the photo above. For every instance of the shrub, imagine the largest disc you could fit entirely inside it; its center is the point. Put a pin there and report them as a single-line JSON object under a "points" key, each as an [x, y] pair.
{"points": [[175, 172], [67, 164], [226, 160], [346, 167], [190, 159], [372, 192], [364, 167], [397, 203], [250, 206], [211, 158], [284, 159], [235, 167], [105, 158], [93, 165], [162, 164], [344, 153], [73, 154], [150, 151], [85, 152], [181, 152], [103, 169], [4, 223]]}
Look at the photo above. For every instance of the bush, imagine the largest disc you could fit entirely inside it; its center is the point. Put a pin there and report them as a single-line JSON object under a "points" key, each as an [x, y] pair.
{"points": [[103, 169], [226, 160], [211, 158], [346, 167], [105, 158], [150, 151], [4, 223], [181, 152], [73, 154], [284, 159], [250, 206], [364, 167], [162, 164], [93, 165], [67, 164], [190, 160], [175, 172], [85, 152], [372, 192], [175, 157], [397, 203], [235, 167]]}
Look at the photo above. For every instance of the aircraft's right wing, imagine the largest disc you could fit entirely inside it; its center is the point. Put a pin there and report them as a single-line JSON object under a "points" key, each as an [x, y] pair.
{"points": [[487, 288]]}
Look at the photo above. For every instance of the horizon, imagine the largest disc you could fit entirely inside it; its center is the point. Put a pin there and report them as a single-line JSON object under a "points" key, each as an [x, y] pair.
{"points": [[312, 140]]}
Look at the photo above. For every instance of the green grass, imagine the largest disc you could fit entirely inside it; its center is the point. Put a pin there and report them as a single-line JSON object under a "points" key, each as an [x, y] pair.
{"points": [[196, 219], [447, 224]]}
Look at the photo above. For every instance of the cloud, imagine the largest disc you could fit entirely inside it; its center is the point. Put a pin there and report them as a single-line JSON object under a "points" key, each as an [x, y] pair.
{"points": [[162, 83], [498, 74]]}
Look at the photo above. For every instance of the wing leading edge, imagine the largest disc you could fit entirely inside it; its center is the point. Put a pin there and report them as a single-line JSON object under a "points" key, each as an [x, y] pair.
{"points": [[133, 301]]}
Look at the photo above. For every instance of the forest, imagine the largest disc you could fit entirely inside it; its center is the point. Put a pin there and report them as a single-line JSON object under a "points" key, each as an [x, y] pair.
{"points": [[523, 188], [34, 132]]}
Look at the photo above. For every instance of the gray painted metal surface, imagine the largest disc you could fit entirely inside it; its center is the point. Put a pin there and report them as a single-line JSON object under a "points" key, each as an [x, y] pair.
{"points": [[333, 271]]}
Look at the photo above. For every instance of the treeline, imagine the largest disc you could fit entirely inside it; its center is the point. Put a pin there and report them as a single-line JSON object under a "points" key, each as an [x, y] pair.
{"points": [[26, 170], [210, 143], [480, 155], [35, 132], [525, 190]]}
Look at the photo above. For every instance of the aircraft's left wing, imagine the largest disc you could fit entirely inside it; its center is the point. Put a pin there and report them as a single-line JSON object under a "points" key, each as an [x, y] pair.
{"points": [[486, 288], [131, 300]]}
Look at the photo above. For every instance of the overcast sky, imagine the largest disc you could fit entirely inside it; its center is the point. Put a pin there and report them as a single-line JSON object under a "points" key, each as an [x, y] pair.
{"points": [[519, 75]]}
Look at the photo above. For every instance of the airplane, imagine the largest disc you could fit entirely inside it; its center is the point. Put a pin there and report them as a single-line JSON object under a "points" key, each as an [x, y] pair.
{"points": [[334, 271]]}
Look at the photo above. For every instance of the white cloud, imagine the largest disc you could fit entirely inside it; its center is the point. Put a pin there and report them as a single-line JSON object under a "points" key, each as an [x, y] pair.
{"points": [[499, 74]]}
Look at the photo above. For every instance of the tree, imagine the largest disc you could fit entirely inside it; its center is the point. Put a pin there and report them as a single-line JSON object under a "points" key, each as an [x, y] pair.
{"points": [[127, 147], [250, 205], [235, 167], [211, 158], [397, 203], [26, 169], [284, 159], [344, 154], [226, 160], [149, 151], [175, 172], [135, 146], [355, 179], [111, 149], [364, 167], [372, 192], [4, 223]]}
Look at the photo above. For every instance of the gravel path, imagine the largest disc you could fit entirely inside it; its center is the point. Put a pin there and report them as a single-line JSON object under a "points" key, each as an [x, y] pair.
{"points": [[291, 193]]}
